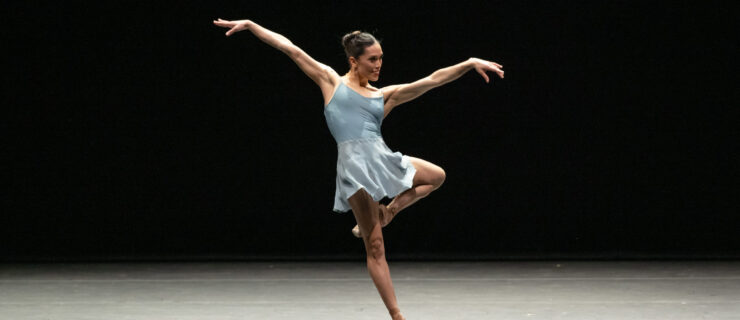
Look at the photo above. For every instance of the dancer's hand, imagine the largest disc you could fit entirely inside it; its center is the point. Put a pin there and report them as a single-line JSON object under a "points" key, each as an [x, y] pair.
{"points": [[236, 25], [481, 66]]}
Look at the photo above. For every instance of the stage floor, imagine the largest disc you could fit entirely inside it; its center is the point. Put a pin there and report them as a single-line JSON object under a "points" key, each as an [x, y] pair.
{"points": [[666, 290]]}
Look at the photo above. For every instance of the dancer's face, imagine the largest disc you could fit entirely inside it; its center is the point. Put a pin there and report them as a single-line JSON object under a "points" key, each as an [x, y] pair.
{"points": [[368, 64]]}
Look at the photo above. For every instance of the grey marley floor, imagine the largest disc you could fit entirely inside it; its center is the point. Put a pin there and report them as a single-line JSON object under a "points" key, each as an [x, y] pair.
{"points": [[343, 290]]}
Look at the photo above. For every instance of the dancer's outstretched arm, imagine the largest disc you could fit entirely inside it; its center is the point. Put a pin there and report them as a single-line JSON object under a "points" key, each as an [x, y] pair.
{"points": [[323, 75], [400, 93]]}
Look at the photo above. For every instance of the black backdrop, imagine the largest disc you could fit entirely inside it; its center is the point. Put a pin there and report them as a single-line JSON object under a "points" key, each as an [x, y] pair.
{"points": [[137, 130]]}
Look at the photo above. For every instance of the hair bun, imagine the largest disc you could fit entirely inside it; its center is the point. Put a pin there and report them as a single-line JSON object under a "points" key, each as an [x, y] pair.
{"points": [[355, 42], [349, 37]]}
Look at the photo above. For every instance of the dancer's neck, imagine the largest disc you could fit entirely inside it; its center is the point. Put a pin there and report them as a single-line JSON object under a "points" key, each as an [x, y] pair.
{"points": [[357, 79]]}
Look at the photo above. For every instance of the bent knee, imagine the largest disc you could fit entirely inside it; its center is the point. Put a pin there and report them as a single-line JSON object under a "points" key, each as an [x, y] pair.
{"points": [[439, 178], [376, 249]]}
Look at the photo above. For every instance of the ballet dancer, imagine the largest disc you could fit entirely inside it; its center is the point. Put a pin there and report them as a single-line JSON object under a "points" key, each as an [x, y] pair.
{"points": [[367, 170]]}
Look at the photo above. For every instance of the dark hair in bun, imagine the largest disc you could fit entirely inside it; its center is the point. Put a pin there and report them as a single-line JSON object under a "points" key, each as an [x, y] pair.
{"points": [[355, 42]]}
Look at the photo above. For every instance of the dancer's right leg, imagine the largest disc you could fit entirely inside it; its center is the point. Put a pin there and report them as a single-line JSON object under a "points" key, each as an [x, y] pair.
{"points": [[365, 210]]}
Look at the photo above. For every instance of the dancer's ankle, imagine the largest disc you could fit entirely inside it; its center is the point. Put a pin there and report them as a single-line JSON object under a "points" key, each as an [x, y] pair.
{"points": [[392, 210], [386, 215], [396, 315]]}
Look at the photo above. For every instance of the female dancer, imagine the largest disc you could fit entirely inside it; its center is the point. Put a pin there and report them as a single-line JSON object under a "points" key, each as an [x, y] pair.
{"points": [[367, 170]]}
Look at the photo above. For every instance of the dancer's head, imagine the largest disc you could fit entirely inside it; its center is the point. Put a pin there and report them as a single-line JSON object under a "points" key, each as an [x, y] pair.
{"points": [[363, 54]]}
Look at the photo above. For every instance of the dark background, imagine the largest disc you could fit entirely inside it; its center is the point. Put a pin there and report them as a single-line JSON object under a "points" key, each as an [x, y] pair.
{"points": [[137, 130]]}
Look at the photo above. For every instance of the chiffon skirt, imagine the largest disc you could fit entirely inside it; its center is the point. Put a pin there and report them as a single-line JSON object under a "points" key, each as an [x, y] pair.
{"points": [[368, 163]]}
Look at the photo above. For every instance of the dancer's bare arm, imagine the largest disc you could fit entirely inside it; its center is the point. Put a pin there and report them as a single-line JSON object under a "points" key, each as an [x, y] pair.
{"points": [[400, 93], [323, 75]]}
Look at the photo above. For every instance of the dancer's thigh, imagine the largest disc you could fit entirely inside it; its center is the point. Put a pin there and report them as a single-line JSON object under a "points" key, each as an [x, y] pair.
{"points": [[426, 172]]}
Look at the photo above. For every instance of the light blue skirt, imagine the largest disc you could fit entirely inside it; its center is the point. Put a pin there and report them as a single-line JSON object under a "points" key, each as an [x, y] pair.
{"points": [[368, 163]]}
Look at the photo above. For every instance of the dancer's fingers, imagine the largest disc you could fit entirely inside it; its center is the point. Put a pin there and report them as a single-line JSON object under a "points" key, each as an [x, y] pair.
{"points": [[483, 74], [232, 30], [498, 71], [222, 22]]}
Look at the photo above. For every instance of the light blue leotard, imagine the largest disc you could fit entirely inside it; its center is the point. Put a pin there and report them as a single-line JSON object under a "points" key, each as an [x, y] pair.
{"points": [[363, 158]]}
